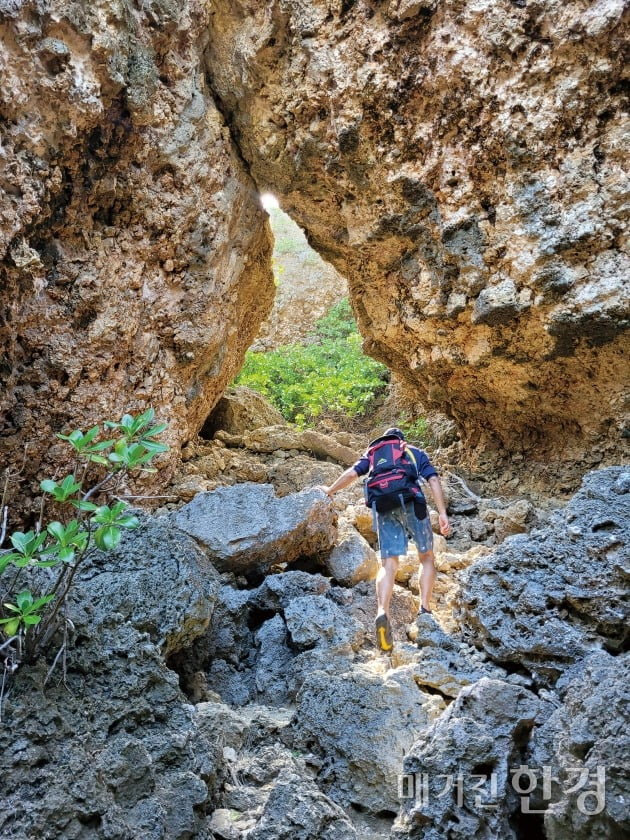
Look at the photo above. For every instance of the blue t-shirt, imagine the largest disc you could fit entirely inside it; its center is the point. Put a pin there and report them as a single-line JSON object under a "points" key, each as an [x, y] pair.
{"points": [[425, 468]]}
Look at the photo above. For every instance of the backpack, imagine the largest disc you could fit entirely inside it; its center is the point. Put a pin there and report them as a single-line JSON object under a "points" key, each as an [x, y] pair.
{"points": [[392, 479]]}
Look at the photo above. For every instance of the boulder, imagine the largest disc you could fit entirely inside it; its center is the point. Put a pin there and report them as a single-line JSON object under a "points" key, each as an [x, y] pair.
{"points": [[240, 410], [246, 526], [352, 559], [298, 810], [116, 745], [361, 724], [289, 475], [158, 581], [315, 620], [442, 663], [456, 778], [545, 600], [586, 745]]}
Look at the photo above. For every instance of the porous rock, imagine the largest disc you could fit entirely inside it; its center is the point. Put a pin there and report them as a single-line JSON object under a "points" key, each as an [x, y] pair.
{"points": [[586, 746], [546, 600], [298, 810], [352, 559], [128, 222], [246, 526], [333, 716], [481, 734], [449, 161], [240, 410], [117, 749]]}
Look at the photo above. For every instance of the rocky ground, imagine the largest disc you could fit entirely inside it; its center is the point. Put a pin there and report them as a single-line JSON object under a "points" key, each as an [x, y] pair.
{"points": [[224, 680]]}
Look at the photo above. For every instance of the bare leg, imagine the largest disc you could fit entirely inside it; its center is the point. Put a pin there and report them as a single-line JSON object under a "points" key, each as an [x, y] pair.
{"points": [[385, 583], [427, 578]]}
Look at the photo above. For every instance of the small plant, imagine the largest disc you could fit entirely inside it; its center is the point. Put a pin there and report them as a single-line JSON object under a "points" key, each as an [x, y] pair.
{"points": [[50, 555]]}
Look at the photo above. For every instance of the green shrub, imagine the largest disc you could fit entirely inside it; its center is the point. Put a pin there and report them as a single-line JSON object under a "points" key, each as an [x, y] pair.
{"points": [[329, 375], [416, 431], [48, 557]]}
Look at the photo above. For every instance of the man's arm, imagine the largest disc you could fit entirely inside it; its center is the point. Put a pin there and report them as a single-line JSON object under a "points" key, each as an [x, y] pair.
{"points": [[346, 478], [438, 496]]}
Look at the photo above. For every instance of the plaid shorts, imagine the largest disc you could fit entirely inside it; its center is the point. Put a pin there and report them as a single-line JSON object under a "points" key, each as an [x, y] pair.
{"points": [[395, 527]]}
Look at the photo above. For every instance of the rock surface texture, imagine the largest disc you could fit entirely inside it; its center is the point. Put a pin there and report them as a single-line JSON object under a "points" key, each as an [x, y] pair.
{"points": [[546, 599], [461, 163], [134, 253], [251, 703]]}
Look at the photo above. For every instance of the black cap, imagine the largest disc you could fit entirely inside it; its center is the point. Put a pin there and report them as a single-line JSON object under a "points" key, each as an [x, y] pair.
{"points": [[394, 432]]}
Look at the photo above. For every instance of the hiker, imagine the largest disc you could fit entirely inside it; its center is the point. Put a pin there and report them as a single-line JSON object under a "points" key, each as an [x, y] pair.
{"points": [[392, 489]]}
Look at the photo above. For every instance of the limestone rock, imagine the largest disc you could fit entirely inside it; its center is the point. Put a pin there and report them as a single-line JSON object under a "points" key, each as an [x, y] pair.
{"points": [[272, 438], [440, 662], [240, 410], [128, 222], [481, 735], [157, 581], [475, 212], [314, 620], [247, 526], [587, 749], [333, 714], [117, 748], [277, 591], [289, 475], [298, 810], [546, 600], [351, 560]]}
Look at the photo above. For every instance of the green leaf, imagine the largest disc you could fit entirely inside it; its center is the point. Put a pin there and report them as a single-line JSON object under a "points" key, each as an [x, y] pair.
{"points": [[45, 599], [84, 505], [48, 485], [10, 625], [5, 560], [107, 537], [47, 564], [31, 619], [89, 436], [56, 530], [129, 522], [103, 515], [21, 541], [66, 555], [156, 430], [99, 447], [98, 459], [24, 600], [154, 447]]}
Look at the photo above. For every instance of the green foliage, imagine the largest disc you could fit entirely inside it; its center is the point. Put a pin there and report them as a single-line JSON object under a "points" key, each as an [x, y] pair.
{"points": [[416, 431], [59, 547], [330, 375]]}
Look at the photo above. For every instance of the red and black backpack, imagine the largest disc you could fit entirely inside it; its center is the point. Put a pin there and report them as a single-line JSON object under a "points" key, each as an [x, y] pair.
{"points": [[393, 475]]}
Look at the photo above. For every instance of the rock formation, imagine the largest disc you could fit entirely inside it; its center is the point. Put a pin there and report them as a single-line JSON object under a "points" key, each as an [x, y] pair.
{"points": [[462, 165], [134, 253], [283, 721]]}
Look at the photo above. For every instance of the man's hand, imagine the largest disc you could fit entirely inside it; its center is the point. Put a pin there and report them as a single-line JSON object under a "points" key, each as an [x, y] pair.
{"points": [[445, 525]]}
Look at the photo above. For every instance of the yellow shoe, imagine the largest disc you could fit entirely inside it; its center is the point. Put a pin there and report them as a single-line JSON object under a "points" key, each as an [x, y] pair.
{"points": [[384, 633]]}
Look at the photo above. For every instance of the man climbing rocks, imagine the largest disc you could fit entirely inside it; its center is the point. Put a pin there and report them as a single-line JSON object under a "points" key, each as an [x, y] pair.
{"points": [[393, 470]]}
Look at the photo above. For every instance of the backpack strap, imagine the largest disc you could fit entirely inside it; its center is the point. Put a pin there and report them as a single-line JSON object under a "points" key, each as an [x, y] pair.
{"points": [[412, 458]]}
